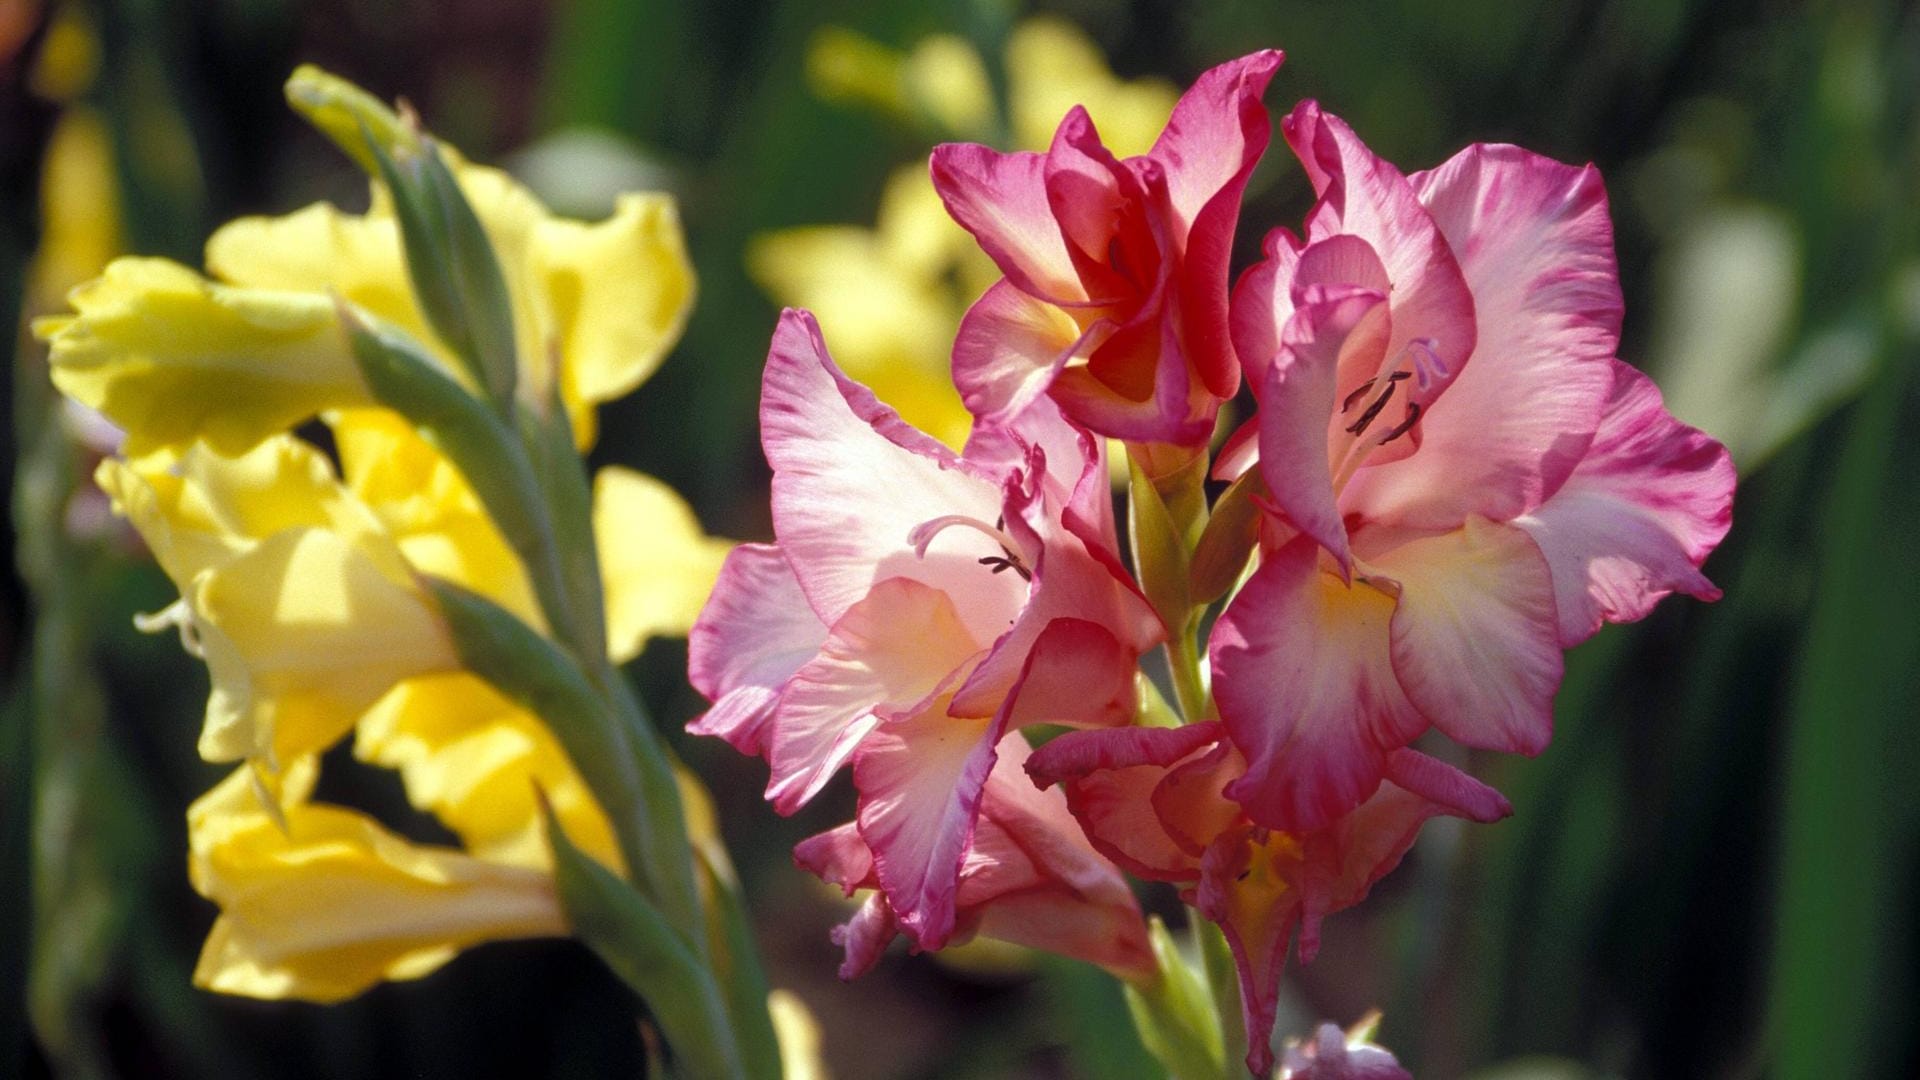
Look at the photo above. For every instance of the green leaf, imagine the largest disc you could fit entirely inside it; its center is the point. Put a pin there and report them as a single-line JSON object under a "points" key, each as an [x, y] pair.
{"points": [[1159, 551], [736, 962], [1175, 1015], [451, 263], [649, 955], [1227, 541], [533, 672]]}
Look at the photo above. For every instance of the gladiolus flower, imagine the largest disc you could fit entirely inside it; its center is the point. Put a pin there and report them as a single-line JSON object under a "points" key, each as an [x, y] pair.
{"points": [[169, 356], [1114, 296], [1154, 800], [917, 606], [889, 298], [304, 609], [1464, 480], [1029, 877]]}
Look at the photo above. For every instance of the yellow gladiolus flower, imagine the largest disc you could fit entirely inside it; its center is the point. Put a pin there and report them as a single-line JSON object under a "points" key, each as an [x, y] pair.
{"points": [[320, 902], [891, 297], [655, 562], [473, 759], [602, 301], [170, 356], [303, 608]]}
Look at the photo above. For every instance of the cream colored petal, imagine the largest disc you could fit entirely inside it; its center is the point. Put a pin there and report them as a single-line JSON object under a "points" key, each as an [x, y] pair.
{"points": [[424, 503], [335, 903], [169, 356], [615, 298], [656, 563], [302, 634], [474, 760]]}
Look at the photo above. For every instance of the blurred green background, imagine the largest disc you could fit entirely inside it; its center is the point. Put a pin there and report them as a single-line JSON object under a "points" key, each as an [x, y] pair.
{"points": [[1714, 870]]}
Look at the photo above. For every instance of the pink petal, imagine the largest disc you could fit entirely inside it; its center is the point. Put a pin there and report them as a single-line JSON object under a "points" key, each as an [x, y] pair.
{"points": [[1438, 782], [1097, 205], [1262, 304], [1010, 348], [920, 780], [1077, 674], [1535, 243], [1110, 778], [1475, 639], [1070, 581], [1213, 140], [851, 481], [1307, 691], [886, 655], [755, 632], [866, 936], [1299, 395], [837, 857], [1640, 513], [1191, 800], [1366, 196], [1002, 200]]}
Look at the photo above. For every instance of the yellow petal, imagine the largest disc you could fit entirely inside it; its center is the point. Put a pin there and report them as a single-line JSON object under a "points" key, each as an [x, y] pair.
{"points": [[473, 760], [1052, 66], [609, 299], [656, 563], [798, 1034], [302, 634], [335, 903], [424, 503], [616, 295], [168, 356]]}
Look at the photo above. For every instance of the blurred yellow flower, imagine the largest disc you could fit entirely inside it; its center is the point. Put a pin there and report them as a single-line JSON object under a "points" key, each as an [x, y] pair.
{"points": [[891, 297], [301, 586]]}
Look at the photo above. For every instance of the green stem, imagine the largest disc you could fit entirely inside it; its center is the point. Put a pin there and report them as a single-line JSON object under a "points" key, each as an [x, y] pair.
{"points": [[1189, 687], [1223, 980]]}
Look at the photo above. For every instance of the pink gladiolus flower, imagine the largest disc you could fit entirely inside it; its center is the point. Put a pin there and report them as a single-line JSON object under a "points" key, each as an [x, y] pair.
{"points": [[1115, 295], [1152, 800], [1029, 877], [1464, 481], [916, 607]]}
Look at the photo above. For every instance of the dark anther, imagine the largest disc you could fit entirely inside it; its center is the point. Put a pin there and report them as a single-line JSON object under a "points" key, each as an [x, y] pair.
{"points": [[1244, 874], [1361, 390], [1413, 415], [1373, 410], [1006, 562]]}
